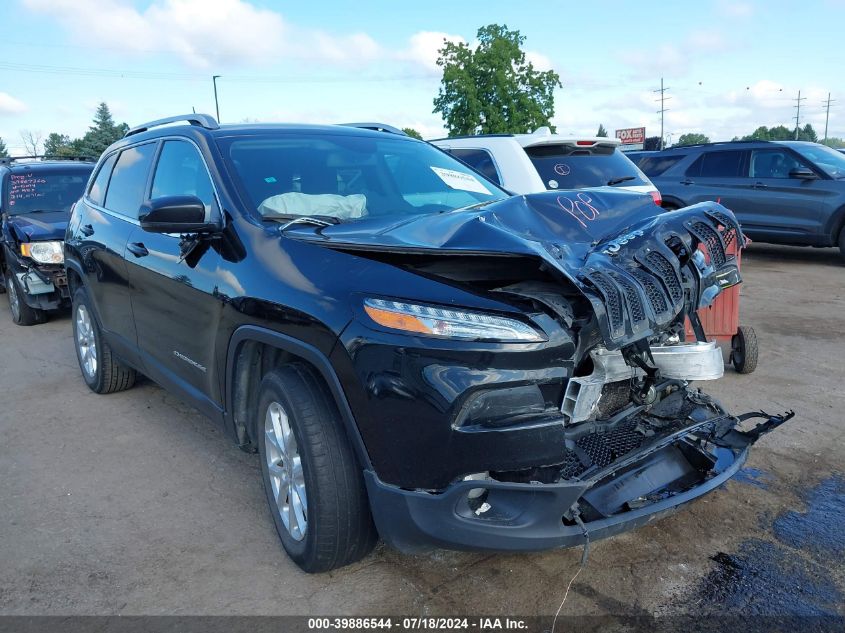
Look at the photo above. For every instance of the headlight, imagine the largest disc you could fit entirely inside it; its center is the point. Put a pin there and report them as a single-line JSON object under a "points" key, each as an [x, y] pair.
{"points": [[44, 252], [410, 317]]}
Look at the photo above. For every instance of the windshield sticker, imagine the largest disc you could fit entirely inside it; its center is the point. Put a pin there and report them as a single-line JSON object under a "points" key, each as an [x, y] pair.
{"points": [[562, 169], [460, 180], [553, 184], [580, 208]]}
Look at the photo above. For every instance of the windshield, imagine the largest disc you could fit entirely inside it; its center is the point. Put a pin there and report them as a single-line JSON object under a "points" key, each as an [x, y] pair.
{"points": [[38, 190], [348, 177], [831, 161], [571, 167]]}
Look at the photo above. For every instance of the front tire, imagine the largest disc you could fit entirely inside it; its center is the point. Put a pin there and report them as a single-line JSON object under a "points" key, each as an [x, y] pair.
{"points": [[102, 372], [22, 314], [842, 246], [313, 482]]}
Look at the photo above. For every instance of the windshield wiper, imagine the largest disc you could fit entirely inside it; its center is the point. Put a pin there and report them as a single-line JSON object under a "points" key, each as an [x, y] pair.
{"points": [[616, 181], [320, 221]]}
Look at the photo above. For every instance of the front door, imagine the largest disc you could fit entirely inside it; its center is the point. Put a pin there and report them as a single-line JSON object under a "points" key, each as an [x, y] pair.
{"points": [[174, 295]]}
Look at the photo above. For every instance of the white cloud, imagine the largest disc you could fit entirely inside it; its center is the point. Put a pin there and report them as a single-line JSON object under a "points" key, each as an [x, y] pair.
{"points": [[735, 9], [11, 105], [540, 61], [424, 48], [203, 33]]}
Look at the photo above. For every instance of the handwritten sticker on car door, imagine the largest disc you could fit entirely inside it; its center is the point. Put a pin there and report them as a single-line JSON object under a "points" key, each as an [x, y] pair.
{"points": [[580, 207]]}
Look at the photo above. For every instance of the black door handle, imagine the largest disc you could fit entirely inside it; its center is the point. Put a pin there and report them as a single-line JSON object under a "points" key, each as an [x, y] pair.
{"points": [[137, 249], [687, 182], [87, 230]]}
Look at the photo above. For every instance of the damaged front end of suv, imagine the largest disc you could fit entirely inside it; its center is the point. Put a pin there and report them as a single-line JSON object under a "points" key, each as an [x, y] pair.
{"points": [[578, 421]]}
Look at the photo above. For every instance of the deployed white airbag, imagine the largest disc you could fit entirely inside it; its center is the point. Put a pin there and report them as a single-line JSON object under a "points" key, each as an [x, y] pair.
{"points": [[301, 204]]}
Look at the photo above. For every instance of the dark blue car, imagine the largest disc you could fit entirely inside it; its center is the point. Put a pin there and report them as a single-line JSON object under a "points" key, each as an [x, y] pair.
{"points": [[35, 202]]}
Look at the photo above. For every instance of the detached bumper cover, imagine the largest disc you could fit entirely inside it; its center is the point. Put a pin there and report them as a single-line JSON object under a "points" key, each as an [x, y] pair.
{"points": [[633, 492]]}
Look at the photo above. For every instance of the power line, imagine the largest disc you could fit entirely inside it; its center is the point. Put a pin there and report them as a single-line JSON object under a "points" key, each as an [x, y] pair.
{"points": [[797, 107], [663, 98], [827, 113]]}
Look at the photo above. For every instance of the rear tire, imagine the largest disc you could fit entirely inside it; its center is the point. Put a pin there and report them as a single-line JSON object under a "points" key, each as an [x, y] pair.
{"points": [[102, 372], [22, 314], [314, 484], [744, 349]]}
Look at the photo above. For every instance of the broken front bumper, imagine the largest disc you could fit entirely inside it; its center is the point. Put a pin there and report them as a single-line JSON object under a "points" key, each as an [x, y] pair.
{"points": [[639, 488]]}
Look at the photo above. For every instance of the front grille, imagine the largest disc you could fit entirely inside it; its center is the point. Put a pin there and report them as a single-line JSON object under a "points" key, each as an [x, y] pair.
{"points": [[632, 297], [664, 269], [605, 448], [612, 298], [731, 228], [571, 467], [655, 295], [710, 237]]}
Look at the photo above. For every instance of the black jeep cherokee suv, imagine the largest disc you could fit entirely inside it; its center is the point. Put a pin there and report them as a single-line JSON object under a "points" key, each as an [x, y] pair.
{"points": [[412, 352], [35, 201]]}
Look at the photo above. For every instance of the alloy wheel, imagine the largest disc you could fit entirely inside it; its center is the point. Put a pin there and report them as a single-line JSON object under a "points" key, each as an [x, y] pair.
{"points": [[86, 342], [14, 301], [284, 466]]}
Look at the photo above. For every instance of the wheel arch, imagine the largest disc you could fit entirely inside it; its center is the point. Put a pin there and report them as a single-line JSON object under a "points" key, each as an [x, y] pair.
{"points": [[835, 225], [252, 351]]}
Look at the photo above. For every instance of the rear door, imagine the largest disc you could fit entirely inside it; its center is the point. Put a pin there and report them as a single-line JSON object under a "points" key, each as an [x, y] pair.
{"points": [[716, 175], [777, 206], [174, 296], [107, 215]]}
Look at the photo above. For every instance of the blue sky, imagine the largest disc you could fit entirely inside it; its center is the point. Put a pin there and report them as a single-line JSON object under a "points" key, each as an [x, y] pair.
{"points": [[730, 66]]}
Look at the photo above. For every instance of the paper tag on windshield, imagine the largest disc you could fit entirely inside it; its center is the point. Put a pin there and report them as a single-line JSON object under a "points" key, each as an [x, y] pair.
{"points": [[460, 180]]}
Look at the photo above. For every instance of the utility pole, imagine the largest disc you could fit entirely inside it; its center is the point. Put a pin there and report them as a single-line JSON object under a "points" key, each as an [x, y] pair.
{"points": [[216, 105], [827, 113], [797, 107], [663, 98]]}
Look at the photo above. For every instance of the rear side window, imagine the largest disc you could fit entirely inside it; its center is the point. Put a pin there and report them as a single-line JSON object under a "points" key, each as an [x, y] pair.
{"points": [[128, 183], [571, 167], [717, 165], [181, 172], [97, 194], [654, 166], [480, 160]]}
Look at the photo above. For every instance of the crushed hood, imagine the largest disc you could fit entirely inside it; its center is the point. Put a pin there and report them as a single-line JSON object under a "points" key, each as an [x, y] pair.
{"points": [[634, 261], [37, 227]]}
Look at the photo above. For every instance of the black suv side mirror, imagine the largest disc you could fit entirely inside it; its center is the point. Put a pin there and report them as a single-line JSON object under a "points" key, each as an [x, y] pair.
{"points": [[803, 173], [175, 214]]}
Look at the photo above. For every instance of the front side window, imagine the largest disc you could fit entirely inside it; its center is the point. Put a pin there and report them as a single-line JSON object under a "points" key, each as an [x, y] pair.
{"points": [[773, 163], [726, 164], [44, 190], [181, 172], [97, 193], [128, 183], [480, 160], [829, 160], [572, 167], [350, 177]]}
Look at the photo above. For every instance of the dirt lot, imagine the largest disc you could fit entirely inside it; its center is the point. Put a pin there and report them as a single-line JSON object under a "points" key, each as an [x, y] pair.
{"points": [[134, 504]]}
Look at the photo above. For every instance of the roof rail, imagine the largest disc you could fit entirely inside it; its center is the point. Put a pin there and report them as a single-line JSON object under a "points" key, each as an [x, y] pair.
{"points": [[8, 160], [378, 127], [202, 120]]}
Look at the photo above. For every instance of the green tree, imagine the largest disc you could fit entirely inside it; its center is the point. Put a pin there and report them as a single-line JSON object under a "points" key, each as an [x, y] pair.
{"points": [[493, 88], [58, 145], [412, 132], [602, 131], [651, 143], [692, 138], [4, 153], [807, 133], [102, 133], [834, 142]]}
